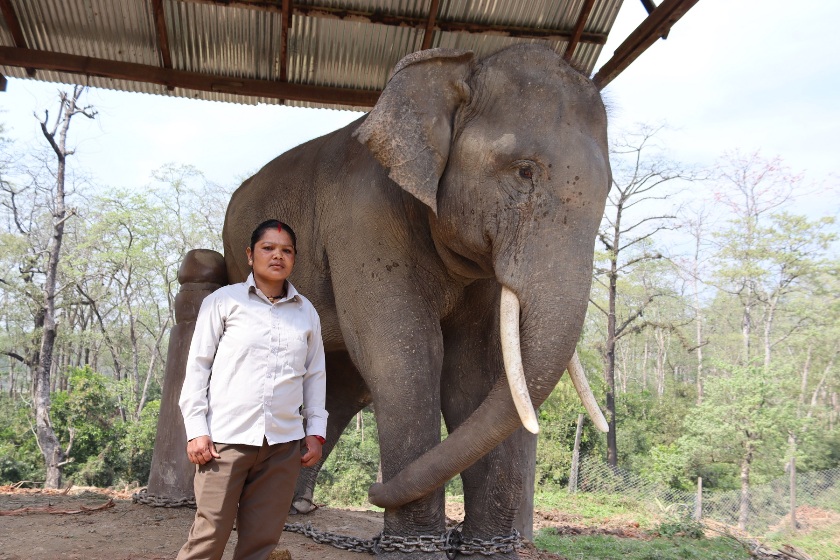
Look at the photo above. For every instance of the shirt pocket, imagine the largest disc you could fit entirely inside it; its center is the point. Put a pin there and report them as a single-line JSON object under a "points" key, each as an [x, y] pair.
{"points": [[297, 347]]}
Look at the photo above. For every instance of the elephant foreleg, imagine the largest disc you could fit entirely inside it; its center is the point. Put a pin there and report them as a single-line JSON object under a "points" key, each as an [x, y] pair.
{"points": [[473, 362]]}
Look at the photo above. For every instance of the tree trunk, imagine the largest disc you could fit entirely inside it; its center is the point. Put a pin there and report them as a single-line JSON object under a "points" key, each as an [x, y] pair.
{"points": [[746, 324], [609, 373], [794, 524], [661, 361], [47, 440], [806, 370], [768, 330], [699, 341], [744, 510]]}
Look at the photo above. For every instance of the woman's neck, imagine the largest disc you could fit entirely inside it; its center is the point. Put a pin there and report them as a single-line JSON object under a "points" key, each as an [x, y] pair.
{"points": [[271, 290]]}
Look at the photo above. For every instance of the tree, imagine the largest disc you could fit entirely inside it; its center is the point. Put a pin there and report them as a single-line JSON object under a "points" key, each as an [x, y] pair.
{"points": [[746, 416], [57, 139], [752, 188], [638, 178], [695, 224], [43, 263]]}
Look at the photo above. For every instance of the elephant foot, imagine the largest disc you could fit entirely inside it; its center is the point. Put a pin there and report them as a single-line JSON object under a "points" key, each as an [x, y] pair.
{"points": [[302, 505]]}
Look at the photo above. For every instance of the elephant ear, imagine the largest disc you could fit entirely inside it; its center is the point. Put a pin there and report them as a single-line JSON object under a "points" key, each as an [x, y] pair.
{"points": [[409, 131]]}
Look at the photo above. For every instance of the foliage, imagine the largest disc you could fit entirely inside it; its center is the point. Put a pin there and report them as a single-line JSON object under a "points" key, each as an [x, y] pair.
{"points": [[558, 423], [681, 527], [351, 467], [20, 458], [746, 416]]}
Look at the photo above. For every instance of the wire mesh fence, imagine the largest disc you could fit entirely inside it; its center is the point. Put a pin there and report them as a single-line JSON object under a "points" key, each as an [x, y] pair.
{"points": [[765, 509]]}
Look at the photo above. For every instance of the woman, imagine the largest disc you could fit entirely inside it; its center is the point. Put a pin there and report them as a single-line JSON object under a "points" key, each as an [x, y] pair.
{"points": [[255, 373]]}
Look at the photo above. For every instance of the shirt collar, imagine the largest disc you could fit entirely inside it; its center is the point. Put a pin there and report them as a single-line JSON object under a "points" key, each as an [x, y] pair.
{"points": [[291, 292]]}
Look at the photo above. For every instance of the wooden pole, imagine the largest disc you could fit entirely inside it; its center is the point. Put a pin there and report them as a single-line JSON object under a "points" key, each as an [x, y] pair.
{"points": [[698, 503], [573, 476], [794, 525]]}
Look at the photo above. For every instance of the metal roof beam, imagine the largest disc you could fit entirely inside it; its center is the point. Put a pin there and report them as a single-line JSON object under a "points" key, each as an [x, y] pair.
{"points": [[162, 35], [650, 6], [15, 29], [654, 26], [410, 21], [87, 66], [284, 40], [430, 25], [578, 31]]}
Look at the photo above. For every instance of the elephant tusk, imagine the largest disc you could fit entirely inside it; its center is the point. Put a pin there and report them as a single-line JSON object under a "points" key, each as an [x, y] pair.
{"points": [[585, 393], [512, 355]]}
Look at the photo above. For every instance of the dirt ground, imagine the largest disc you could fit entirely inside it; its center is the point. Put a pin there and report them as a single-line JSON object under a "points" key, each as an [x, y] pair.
{"points": [[94, 524]]}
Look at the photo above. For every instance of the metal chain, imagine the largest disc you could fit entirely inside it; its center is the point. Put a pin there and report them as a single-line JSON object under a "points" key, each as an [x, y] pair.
{"points": [[451, 542], [143, 497]]}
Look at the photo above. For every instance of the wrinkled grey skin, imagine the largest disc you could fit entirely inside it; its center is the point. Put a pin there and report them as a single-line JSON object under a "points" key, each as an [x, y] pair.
{"points": [[465, 176]]}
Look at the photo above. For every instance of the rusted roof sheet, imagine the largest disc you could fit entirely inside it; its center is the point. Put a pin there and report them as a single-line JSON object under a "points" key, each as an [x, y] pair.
{"points": [[321, 53]]}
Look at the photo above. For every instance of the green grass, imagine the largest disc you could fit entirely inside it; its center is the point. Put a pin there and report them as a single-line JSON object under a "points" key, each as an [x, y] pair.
{"points": [[669, 535], [822, 543], [597, 509], [610, 511], [613, 548]]}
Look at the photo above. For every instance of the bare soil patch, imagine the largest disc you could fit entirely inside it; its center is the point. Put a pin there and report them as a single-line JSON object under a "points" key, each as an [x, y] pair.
{"points": [[97, 524]]}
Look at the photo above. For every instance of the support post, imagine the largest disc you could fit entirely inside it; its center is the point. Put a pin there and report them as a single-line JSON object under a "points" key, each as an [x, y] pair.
{"points": [[171, 475], [573, 475], [698, 502], [794, 524]]}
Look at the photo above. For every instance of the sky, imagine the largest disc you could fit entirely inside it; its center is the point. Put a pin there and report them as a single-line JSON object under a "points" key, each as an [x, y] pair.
{"points": [[751, 75]]}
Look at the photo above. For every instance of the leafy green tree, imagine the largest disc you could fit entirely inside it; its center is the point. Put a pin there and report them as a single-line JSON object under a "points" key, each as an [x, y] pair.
{"points": [[87, 415], [352, 466], [743, 422]]}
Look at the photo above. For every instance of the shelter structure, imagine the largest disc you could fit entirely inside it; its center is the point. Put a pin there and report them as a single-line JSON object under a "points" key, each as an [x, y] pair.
{"points": [[311, 53]]}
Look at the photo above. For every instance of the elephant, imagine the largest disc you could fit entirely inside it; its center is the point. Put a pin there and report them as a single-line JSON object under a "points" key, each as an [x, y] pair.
{"points": [[446, 239]]}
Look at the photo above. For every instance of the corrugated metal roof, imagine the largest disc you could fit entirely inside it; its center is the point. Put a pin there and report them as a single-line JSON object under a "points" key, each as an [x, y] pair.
{"points": [[331, 43]]}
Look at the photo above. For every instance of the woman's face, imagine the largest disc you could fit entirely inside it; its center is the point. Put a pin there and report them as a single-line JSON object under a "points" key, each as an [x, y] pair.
{"points": [[272, 259]]}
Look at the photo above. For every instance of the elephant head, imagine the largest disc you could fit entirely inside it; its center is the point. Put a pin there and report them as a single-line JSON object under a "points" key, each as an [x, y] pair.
{"points": [[510, 156]]}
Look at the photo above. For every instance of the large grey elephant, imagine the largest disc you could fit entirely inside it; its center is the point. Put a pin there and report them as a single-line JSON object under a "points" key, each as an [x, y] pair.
{"points": [[444, 236]]}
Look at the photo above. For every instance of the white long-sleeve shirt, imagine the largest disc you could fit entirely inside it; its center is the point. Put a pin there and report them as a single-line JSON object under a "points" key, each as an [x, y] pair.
{"points": [[255, 369]]}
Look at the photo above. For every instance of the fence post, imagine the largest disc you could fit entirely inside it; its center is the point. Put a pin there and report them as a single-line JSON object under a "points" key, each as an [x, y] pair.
{"points": [[573, 476], [698, 503], [793, 523]]}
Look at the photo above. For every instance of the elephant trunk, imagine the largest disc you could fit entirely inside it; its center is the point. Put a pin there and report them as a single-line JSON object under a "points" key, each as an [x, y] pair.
{"points": [[507, 407], [511, 352]]}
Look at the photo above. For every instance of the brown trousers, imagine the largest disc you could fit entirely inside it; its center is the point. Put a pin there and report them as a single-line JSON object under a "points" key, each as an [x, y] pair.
{"points": [[255, 486]]}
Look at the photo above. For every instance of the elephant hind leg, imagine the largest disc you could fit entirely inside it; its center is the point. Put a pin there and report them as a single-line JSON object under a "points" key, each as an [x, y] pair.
{"points": [[347, 394]]}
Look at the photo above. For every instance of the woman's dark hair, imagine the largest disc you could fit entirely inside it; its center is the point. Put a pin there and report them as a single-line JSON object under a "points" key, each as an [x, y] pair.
{"points": [[272, 224]]}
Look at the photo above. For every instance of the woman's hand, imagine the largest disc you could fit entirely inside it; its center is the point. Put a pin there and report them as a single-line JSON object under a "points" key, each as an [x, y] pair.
{"points": [[312, 451], [201, 450]]}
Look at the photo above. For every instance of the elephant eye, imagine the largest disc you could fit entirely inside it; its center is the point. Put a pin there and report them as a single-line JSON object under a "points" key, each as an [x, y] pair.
{"points": [[524, 176]]}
